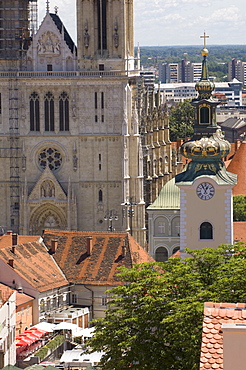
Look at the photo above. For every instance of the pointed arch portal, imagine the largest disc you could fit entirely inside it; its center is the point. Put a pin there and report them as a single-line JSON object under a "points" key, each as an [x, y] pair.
{"points": [[47, 216]]}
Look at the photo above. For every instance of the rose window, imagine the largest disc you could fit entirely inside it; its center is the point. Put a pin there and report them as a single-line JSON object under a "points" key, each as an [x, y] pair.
{"points": [[50, 157]]}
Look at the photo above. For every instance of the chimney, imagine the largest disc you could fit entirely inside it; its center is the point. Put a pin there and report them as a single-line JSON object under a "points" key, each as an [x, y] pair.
{"points": [[13, 249], [123, 253], [237, 144], [14, 239], [54, 245], [89, 245], [11, 262], [9, 232]]}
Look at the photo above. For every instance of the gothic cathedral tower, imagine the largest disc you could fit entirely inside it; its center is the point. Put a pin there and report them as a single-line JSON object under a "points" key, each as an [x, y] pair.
{"points": [[105, 35], [78, 155], [205, 185]]}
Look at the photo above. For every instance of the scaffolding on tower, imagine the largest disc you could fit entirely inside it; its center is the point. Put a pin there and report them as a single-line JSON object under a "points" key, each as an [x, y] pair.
{"points": [[18, 23]]}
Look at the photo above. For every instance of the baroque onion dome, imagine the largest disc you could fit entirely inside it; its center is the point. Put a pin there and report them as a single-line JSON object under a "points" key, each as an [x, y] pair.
{"points": [[208, 146]]}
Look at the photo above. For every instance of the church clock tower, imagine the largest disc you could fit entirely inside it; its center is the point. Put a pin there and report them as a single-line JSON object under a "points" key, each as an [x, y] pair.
{"points": [[205, 185]]}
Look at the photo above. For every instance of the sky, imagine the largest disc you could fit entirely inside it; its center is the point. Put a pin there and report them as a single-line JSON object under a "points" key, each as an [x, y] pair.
{"points": [[172, 22]]}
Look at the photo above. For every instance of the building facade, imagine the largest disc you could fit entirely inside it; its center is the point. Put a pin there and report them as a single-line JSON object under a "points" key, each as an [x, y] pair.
{"points": [[71, 151], [205, 181]]}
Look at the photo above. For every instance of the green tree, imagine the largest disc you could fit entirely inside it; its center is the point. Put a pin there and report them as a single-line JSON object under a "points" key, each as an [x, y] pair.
{"points": [[181, 120], [154, 320], [239, 208]]}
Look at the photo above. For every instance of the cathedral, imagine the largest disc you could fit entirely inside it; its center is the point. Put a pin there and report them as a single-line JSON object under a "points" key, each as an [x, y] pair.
{"points": [[83, 142]]}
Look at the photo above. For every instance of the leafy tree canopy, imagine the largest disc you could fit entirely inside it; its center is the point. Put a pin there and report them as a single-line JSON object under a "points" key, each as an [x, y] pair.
{"points": [[181, 120], [154, 320], [239, 208]]}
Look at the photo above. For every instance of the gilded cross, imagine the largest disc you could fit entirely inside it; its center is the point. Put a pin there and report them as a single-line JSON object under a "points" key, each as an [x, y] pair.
{"points": [[204, 37]]}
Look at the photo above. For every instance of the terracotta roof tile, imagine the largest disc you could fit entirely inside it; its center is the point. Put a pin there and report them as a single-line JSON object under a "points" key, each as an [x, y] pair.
{"points": [[239, 231], [29, 260], [215, 314], [238, 167], [100, 266], [6, 239], [22, 298], [5, 293]]}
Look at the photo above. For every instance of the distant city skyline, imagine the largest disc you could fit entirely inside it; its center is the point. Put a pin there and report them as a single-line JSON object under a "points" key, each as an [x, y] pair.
{"points": [[172, 22]]}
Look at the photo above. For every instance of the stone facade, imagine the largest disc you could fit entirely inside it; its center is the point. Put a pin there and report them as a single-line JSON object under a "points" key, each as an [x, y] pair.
{"points": [[71, 151], [79, 130]]}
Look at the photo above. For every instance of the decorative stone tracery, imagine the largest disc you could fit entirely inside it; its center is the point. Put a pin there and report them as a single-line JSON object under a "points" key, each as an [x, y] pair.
{"points": [[48, 43]]}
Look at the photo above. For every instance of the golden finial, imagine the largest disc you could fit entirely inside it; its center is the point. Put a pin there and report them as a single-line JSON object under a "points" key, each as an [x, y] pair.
{"points": [[204, 50]]}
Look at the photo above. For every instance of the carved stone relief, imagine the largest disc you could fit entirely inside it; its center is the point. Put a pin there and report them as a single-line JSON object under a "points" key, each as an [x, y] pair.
{"points": [[48, 43]]}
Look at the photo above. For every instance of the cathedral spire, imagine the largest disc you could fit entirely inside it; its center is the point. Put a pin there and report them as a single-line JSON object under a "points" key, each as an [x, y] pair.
{"points": [[47, 6], [204, 86]]}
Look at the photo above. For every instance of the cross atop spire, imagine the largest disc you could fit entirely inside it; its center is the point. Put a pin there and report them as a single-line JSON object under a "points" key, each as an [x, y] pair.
{"points": [[204, 37], [47, 6]]}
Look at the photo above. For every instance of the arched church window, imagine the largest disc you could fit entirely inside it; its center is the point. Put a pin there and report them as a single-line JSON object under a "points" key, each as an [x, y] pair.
{"points": [[50, 157], [206, 231], [161, 254], [204, 115], [64, 112], [100, 196], [175, 226], [47, 189], [161, 226], [34, 112], [49, 117], [176, 249]]}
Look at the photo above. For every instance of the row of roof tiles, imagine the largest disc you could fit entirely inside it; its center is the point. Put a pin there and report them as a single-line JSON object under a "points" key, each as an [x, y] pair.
{"points": [[216, 314], [70, 261]]}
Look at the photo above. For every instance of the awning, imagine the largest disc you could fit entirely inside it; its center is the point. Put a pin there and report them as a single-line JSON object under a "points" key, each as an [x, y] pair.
{"points": [[64, 325], [37, 332], [43, 325], [47, 363], [29, 336], [23, 342], [88, 332]]}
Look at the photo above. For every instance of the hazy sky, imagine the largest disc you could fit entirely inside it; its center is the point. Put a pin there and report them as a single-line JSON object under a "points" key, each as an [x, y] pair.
{"points": [[173, 22]]}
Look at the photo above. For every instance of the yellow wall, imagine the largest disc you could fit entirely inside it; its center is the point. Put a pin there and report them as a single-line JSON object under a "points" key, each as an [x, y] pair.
{"points": [[194, 211]]}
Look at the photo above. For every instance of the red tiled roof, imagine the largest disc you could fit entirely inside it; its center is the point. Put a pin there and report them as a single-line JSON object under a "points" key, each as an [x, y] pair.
{"points": [[239, 231], [33, 263], [5, 293], [22, 298], [6, 239], [238, 166], [100, 267], [215, 314]]}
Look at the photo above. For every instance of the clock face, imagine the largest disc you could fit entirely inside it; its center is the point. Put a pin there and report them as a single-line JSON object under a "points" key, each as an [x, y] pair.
{"points": [[205, 191]]}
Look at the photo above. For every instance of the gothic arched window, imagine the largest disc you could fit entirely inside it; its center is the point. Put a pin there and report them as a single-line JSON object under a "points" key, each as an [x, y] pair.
{"points": [[49, 119], [102, 24], [34, 112], [176, 249], [63, 112], [175, 226], [100, 196], [206, 231]]}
